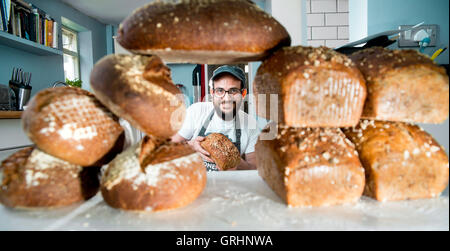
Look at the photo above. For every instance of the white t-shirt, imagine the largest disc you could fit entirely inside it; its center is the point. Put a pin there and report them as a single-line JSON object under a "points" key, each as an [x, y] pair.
{"points": [[198, 113]]}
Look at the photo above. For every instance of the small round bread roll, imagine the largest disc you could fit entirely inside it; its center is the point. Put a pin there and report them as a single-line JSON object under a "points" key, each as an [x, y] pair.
{"points": [[309, 87], [31, 178], [153, 175], [202, 31], [222, 151], [139, 89], [71, 124], [403, 85]]}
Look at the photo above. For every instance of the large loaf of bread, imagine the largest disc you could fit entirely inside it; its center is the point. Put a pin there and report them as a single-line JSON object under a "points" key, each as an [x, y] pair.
{"points": [[154, 175], [403, 85], [31, 178], [202, 31], [309, 87], [401, 160], [225, 155], [139, 89], [71, 124], [311, 167]]}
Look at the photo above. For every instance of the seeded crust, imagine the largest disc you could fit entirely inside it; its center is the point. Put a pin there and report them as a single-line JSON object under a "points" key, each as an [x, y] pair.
{"points": [[311, 167], [71, 124], [185, 31], [154, 175], [401, 160], [315, 87], [403, 85], [32, 179], [139, 89], [222, 151]]}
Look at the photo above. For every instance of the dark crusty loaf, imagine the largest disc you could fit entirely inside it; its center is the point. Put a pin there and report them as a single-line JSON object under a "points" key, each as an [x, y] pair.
{"points": [[311, 167], [139, 89], [222, 151], [401, 160], [31, 178], [202, 31], [71, 124], [154, 175], [403, 85], [315, 87]]}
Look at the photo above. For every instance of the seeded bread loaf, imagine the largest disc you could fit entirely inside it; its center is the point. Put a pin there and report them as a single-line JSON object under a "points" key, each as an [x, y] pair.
{"points": [[71, 124], [31, 178], [311, 167], [222, 151], [309, 87], [139, 89], [401, 160], [403, 85], [202, 31], [154, 175]]}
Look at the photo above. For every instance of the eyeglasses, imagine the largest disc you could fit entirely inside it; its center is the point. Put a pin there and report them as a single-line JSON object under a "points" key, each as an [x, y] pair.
{"points": [[219, 92]]}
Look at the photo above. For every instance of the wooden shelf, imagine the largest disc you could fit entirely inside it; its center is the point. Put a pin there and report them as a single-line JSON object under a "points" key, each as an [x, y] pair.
{"points": [[27, 45], [10, 114]]}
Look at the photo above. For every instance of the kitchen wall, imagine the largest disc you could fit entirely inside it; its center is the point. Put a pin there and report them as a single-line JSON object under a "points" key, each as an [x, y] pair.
{"points": [[48, 69], [327, 22]]}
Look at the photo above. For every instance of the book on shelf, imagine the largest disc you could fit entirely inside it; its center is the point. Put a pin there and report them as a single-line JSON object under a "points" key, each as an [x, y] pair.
{"points": [[28, 21]]}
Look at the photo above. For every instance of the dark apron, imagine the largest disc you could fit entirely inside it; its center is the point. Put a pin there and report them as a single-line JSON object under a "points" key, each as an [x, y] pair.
{"points": [[212, 166]]}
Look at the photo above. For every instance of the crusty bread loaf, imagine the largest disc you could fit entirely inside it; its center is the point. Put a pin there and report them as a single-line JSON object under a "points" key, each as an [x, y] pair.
{"points": [[31, 178], [154, 175], [311, 167], [401, 160], [222, 151], [403, 85], [202, 31], [139, 89], [71, 124], [315, 87]]}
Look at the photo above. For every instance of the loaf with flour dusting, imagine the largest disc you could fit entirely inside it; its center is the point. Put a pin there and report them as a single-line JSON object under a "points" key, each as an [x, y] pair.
{"points": [[31, 178], [154, 175], [310, 167], [71, 124], [202, 31]]}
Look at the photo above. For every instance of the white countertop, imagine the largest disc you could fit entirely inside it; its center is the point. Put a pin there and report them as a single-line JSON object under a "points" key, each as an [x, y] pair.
{"points": [[238, 200]]}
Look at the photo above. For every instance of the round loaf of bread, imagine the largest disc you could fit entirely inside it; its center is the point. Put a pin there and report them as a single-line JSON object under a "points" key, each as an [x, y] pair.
{"points": [[401, 160], [309, 87], [154, 175], [71, 124], [202, 31], [139, 89], [403, 85], [310, 166], [31, 178], [222, 151]]}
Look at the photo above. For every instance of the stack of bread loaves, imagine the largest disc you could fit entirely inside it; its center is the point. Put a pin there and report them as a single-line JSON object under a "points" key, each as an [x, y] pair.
{"points": [[157, 174], [74, 135]]}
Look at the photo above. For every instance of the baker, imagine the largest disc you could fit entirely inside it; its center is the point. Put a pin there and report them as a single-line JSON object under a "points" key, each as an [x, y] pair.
{"points": [[228, 88]]}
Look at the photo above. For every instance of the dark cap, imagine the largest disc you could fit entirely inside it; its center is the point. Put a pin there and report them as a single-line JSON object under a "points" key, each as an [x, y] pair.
{"points": [[233, 70]]}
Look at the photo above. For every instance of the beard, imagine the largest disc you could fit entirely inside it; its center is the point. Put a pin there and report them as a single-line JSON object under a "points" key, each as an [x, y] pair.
{"points": [[227, 110]]}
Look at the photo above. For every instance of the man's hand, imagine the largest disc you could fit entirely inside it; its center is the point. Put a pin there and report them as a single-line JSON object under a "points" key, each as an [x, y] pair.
{"points": [[195, 144]]}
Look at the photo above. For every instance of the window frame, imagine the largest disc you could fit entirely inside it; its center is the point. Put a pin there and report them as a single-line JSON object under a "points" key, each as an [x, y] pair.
{"points": [[72, 53]]}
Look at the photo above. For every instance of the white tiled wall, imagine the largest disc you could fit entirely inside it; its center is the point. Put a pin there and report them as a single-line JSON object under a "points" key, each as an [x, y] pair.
{"points": [[327, 22]]}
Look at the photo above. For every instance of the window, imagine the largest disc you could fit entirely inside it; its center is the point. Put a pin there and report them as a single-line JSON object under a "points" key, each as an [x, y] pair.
{"points": [[71, 54]]}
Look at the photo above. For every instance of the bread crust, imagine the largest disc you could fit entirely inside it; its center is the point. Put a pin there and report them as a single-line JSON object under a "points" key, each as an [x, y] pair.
{"points": [[403, 85], [173, 177], [311, 167], [222, 151], [139, 89], [315, 87], [185, 31], [71, 124], [31, 178], [401, 160]]}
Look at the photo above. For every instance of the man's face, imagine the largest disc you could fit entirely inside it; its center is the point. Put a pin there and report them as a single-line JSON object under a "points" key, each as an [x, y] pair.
{"points": [[228, 105]]}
